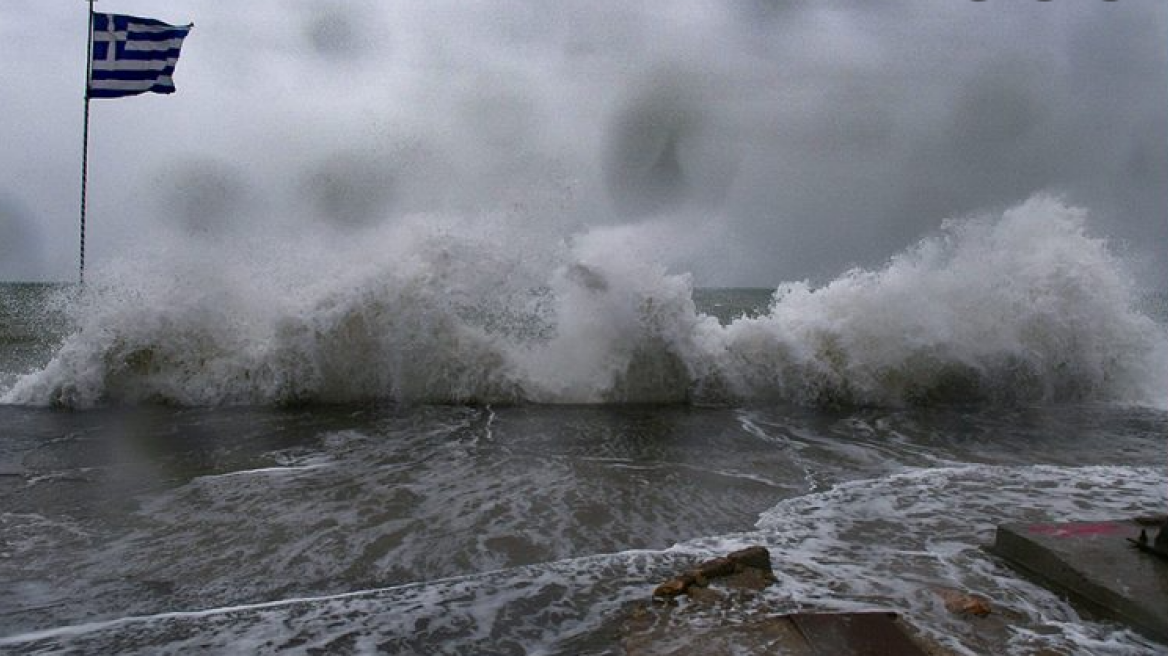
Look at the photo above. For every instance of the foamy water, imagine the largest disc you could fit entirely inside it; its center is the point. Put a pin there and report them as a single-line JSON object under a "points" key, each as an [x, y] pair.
{"points": [[1022, 306], [892, 543]]}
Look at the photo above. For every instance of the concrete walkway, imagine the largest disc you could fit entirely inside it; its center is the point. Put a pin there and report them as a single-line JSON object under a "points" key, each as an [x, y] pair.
{"points": [[1095, 565]]}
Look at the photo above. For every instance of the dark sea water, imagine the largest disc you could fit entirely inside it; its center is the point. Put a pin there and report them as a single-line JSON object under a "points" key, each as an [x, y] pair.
{"points": [[390, 464]]}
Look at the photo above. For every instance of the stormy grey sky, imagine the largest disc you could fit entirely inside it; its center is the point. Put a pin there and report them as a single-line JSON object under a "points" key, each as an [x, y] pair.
{"points": [[747, 141]]}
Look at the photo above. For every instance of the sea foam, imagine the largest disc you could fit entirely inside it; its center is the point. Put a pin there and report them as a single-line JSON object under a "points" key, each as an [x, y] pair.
{"points": [[1022, 306]]}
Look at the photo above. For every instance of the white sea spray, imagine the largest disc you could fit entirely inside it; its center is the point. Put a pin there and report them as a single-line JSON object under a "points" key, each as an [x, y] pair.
{"points": [[1025, 306]]}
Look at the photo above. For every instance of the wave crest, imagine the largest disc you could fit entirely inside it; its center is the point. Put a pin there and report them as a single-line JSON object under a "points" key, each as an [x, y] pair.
{"points": [[1026, 306], [1021, 307]]}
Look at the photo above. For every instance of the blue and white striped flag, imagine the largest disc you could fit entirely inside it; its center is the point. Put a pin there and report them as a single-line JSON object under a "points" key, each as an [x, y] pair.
{"points": [[133, 55]]}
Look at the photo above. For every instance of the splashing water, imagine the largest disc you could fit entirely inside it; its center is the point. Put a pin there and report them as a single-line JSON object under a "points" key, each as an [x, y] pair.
{"points": [[1022, 306]]}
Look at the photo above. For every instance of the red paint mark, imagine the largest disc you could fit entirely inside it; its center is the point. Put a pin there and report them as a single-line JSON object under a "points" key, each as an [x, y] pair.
{"points": [[1077, 530]]}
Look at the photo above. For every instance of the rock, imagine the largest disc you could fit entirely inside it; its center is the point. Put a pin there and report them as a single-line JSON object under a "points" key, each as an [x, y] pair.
{"points": [[751, 578], [704, 595], [712, 569], [963, 603], [748, 568], [756, 557], [674, 587], [699, 579]]}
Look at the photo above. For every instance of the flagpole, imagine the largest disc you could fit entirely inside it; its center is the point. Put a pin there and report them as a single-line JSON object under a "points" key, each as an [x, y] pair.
{"points": [[85, 136]]}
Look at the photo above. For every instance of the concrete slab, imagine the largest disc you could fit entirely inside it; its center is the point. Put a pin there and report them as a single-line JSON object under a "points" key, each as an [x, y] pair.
{"points": [[800, 634], [1094, 565]]}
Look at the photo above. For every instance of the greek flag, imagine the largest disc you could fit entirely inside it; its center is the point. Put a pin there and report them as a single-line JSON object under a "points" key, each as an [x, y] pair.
{"points": [[133, 55]]}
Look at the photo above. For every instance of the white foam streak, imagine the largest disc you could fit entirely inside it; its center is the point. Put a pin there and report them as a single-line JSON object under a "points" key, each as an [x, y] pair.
{"points": [[264, 471], [1025, 306]]}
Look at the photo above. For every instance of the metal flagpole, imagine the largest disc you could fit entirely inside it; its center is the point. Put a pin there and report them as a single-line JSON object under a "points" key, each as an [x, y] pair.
{"points": [[85, 137]]}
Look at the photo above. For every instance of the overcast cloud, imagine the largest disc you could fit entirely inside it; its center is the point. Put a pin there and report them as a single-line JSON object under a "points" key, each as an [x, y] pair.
{"points": [[750, 141]]}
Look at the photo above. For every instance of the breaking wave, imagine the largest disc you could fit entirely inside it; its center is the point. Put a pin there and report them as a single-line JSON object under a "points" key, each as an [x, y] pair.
{"points": [[1025, 306]]}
